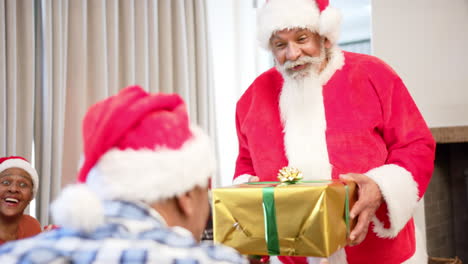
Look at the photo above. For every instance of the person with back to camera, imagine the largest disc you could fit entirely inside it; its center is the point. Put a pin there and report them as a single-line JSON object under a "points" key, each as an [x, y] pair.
{"points": [[142, 192]]}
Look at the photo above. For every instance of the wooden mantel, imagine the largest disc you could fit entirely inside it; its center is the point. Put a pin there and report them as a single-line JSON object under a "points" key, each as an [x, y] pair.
{"points": [[455, 134]]}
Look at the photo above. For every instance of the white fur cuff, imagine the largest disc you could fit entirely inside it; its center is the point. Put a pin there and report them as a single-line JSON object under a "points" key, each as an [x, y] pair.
{"points": [[400, 192], [241, 179]]}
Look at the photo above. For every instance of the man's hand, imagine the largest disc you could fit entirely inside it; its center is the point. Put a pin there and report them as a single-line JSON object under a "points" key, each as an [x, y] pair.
{"points": [[49, 228], [369, 200], [254, 179]]}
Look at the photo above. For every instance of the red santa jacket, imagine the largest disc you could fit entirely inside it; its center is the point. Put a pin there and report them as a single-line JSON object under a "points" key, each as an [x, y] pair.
{"points": [[372, 126]]}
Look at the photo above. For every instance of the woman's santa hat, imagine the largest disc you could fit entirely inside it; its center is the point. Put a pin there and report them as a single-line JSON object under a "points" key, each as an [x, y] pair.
{"points": [[21, 163], [137, 147], [315, 15]]}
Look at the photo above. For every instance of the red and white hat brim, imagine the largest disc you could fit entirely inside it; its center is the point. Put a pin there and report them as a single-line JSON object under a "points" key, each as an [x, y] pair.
{"points": [[278, 15], [149, 175], [136, 175]]}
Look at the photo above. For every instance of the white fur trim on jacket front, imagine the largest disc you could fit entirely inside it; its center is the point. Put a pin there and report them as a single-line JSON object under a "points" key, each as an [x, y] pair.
{"points": [[24, 165], [151, 175], [277, 15], [336, 61], [303, 116], [400, 192], [420, 255]]}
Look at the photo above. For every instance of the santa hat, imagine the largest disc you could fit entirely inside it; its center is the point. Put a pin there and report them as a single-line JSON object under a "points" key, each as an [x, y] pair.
{"points": [[22, 163], [315, 15], [137, 147]]}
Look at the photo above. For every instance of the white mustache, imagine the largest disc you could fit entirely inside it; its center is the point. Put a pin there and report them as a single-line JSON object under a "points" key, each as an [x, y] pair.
{"points": [[303, 60]]}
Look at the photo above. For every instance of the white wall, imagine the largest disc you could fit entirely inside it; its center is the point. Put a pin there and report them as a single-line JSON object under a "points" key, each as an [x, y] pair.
{"points": [[426, 42]]}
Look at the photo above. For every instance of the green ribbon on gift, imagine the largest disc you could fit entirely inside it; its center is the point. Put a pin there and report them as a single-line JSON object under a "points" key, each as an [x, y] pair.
{"points": [[271, 229], [347, 209], [269, 213]]}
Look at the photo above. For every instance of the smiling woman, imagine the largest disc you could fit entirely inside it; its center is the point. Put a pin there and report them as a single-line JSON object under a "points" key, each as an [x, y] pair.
{"points": [[18, 185]]}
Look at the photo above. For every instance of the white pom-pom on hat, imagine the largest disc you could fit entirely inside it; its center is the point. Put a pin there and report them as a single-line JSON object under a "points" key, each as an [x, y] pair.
{"points": [[78, 207], [330, 24]]}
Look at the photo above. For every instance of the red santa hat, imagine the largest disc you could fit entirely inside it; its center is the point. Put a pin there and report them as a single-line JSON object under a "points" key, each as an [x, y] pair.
{"points": [[22, 163], [137, 147], [315, 15]]}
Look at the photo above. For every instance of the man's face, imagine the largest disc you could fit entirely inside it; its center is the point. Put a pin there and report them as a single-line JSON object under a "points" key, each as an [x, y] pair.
{"points": [[16, 190], [297, 51]]}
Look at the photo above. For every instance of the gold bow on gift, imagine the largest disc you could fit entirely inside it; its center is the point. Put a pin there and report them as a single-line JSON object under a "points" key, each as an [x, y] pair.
{"points": [[289, 175]]}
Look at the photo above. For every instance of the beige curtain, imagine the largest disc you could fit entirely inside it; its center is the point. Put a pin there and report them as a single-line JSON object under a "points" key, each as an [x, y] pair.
{"points": [[61, 56], [50, 101], [17, 67]]}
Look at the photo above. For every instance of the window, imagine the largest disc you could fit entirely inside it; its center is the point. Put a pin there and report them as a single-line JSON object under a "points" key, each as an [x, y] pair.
{"points": [[355, 26]]}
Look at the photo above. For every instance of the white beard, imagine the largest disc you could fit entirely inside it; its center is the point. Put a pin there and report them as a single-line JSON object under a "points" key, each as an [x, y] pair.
{"points": [[303, 116]]}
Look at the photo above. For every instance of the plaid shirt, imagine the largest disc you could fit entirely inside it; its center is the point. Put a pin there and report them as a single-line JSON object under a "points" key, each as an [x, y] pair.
{"points": [[131, 234]]}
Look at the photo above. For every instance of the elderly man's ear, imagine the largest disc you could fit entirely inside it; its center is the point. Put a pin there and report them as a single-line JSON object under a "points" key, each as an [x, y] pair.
{"points": [[186, 203], [194, 210], [193, 201]]}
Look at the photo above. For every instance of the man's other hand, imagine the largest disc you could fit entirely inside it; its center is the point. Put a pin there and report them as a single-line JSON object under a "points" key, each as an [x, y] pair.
{"points": [[369, 200], [254, 179]]}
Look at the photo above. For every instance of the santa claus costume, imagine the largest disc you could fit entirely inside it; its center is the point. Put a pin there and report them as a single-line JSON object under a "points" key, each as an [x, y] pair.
{"points": [[355, 116]]}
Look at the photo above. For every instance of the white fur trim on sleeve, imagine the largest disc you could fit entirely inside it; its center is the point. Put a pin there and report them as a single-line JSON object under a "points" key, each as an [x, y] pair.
{"points": [[241, 179], [400, 192]]}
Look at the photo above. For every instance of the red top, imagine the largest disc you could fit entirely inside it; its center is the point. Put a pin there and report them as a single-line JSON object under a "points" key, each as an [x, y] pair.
{"points": [[28, 227]]}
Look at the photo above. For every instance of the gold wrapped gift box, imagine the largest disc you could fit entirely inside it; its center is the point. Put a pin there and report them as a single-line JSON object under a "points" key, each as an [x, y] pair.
{"points": [[311, 218]]}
